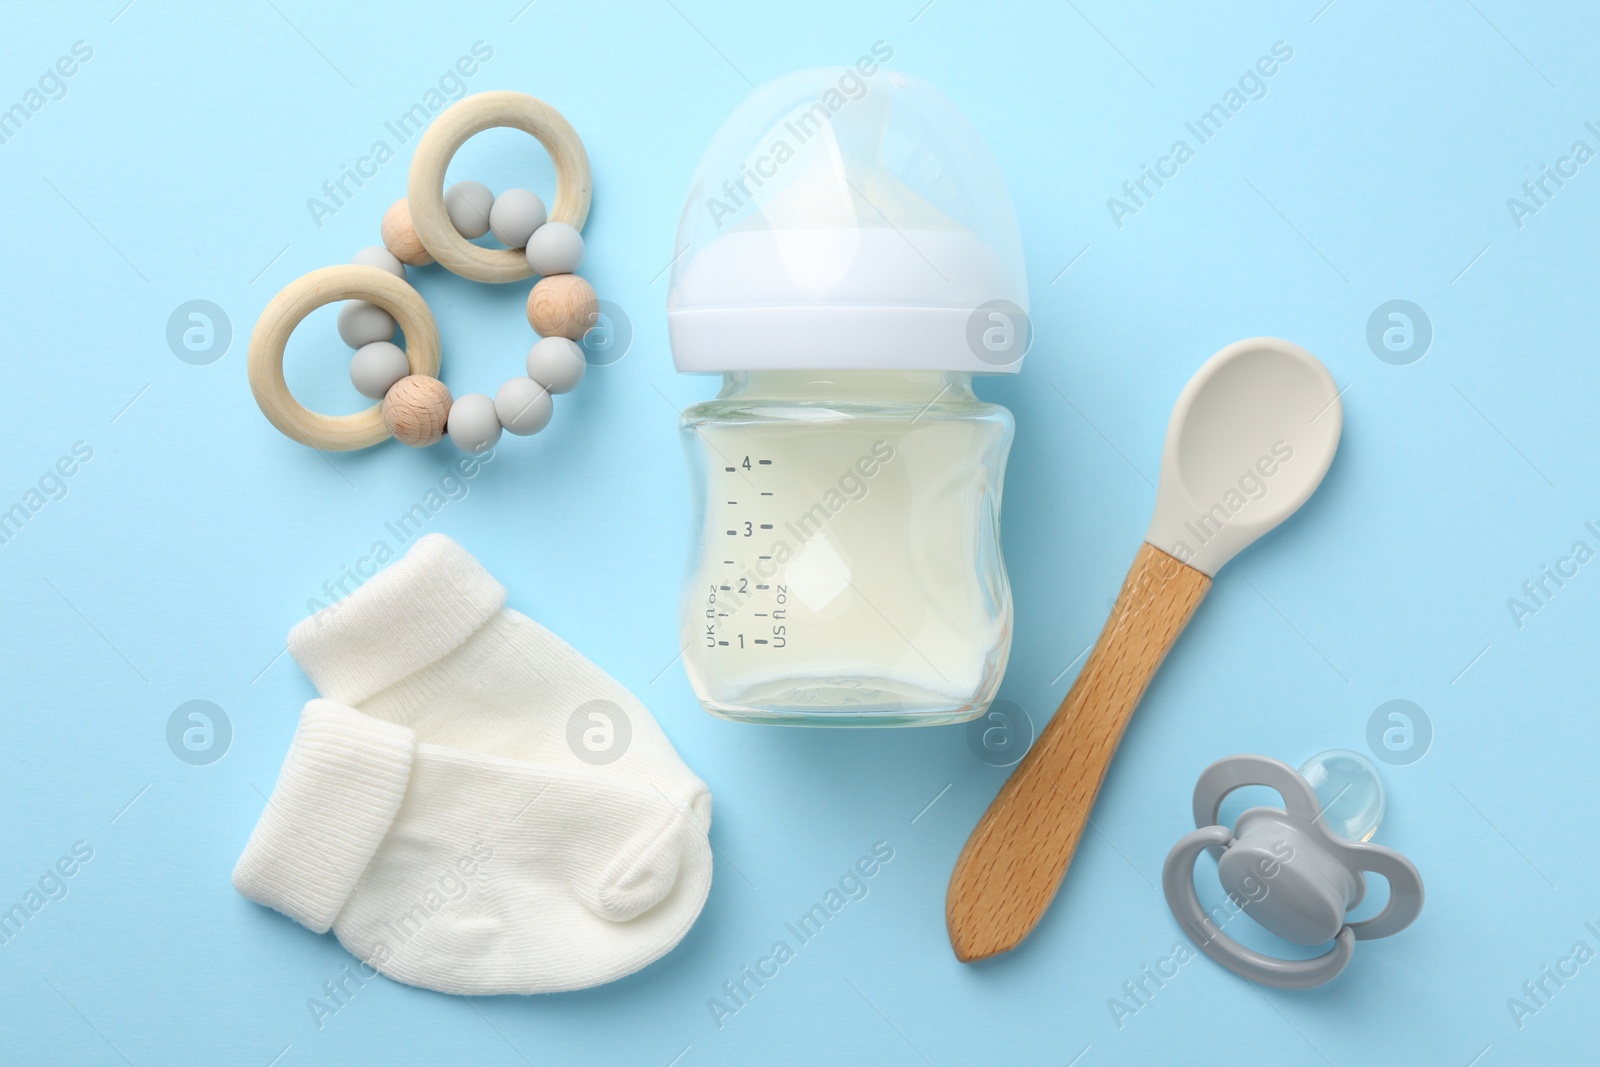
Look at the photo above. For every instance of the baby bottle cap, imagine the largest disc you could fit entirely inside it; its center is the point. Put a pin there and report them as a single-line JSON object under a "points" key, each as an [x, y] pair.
{"points": [[848, 218], [1288, 870]]}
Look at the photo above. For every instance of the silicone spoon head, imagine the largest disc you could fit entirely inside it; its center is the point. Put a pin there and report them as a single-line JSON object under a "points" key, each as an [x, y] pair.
{"points": [[1250, 438]]}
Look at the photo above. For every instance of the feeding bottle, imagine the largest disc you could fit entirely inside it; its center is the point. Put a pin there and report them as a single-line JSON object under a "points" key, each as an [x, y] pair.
{"points": [[847, 260]]}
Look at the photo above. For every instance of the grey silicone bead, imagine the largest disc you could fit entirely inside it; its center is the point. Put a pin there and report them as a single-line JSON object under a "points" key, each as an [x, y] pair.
{"points": [[556, 363], [375, 367], [515, 215], [523, 406], [361, 323], [555, 248], [468, 204], [380, 257], [472, 424]]}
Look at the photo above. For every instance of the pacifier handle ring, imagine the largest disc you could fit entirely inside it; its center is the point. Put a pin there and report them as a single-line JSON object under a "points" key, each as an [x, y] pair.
{"points": [[1405, 892], [1177, 882], [1236, 772]]}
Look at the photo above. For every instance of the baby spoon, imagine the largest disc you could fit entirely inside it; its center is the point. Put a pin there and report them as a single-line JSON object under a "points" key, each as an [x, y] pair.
{"points": [[1250, 438]]}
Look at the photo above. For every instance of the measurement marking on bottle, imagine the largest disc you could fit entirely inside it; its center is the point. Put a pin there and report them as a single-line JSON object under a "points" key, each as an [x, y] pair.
{"points": [[739, 587]]}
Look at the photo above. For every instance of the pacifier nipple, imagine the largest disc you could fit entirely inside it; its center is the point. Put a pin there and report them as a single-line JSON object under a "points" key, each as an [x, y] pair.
{"points": [[1349, 790]]}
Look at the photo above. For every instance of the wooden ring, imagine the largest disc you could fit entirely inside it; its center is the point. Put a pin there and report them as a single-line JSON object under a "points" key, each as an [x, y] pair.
{"points": [[347, 281], [445, 136]]}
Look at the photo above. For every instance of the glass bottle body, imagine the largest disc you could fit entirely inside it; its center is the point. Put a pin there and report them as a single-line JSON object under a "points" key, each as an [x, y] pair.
{"points": [[848, 568]]}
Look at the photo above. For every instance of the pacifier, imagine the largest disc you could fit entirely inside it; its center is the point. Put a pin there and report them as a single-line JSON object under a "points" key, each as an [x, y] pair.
{"points": [[1296, 871]]}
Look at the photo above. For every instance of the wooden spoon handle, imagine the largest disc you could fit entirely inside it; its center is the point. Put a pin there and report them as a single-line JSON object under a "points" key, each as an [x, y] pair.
{"points": [[1013, 863]]}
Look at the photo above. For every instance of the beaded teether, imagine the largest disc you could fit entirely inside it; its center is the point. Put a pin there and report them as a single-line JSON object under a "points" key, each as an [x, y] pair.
{"points": [[1298, 871], [435, 224]]}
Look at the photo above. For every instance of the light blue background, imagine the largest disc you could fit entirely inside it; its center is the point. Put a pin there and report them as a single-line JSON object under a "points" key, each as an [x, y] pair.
{"points": [[1377, 167]]}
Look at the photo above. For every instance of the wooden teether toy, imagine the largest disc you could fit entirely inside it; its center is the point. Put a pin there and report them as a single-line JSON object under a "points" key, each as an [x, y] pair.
{"points": [[1250, 438], [435, 224]]}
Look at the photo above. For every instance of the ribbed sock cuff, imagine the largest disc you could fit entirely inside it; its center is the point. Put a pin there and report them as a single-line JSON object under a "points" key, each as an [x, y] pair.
{"points": [[336, 797], [418, 610]]}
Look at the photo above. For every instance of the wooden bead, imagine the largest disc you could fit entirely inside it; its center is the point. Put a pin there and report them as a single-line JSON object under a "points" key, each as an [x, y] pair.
{"points": [[400, 236], [415, 410], [563, 305]]}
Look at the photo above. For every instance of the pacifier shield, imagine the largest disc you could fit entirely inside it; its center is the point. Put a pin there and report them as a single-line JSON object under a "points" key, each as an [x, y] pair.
{"points": [[1288, 871]]}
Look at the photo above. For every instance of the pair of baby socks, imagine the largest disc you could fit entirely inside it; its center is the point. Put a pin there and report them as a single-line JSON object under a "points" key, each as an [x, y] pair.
{"points": [[472, 806]]}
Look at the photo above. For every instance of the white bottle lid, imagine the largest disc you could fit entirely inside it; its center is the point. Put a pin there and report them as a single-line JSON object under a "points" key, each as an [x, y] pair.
{"points": [[848, 218]]}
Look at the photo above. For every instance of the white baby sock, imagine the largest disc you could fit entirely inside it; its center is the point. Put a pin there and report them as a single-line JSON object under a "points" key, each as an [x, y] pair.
{"points": [[428, 644], [468, 873]]}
